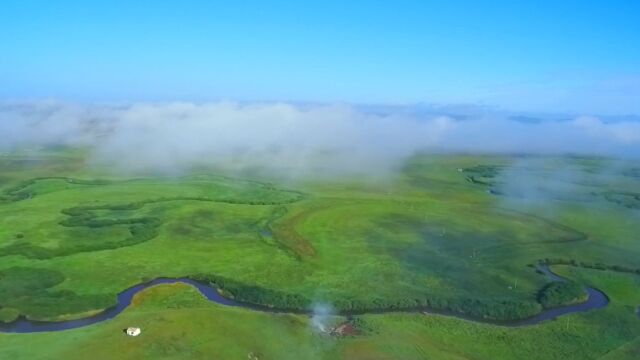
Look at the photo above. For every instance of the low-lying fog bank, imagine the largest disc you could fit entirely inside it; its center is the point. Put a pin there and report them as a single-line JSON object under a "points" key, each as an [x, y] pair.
{"points": [[300, 140]]}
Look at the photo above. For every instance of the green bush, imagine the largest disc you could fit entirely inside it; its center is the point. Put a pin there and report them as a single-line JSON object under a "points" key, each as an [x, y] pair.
{"points": [[8, 314], [560, 293]]}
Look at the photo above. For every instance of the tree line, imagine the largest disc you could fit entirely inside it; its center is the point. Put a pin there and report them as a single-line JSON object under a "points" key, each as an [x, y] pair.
{"points": [[491, 309], [590, 265]]}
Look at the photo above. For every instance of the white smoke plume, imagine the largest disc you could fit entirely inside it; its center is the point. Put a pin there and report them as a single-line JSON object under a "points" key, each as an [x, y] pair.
{"points": [[321, 316]]}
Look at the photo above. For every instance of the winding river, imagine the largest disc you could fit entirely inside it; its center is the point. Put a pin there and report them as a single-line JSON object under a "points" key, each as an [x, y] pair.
{"points": [[597, 299]]}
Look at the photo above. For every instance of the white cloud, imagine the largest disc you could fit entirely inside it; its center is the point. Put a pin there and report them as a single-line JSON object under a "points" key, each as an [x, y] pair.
{"points": [[293, 139], [625, 132]]}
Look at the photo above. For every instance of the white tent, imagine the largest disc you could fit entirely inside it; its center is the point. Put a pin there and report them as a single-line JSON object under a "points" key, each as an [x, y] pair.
{"points": [[133, 331]]}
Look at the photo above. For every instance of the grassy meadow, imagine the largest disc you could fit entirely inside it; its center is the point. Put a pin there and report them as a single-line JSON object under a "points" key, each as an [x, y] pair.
{"points": [[456, 233]]}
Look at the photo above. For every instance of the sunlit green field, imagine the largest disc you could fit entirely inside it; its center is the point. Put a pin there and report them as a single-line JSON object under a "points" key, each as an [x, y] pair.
{"points": [[462, 232]]}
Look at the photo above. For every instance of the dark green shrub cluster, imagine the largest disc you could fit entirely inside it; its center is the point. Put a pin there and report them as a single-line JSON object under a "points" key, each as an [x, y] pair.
{"points": [[19, 191], [82, 210], [256, 295], [493, 309], [19, 281], [626, 199], [141, 229], [560, 293], [486, 171], [28, 250], [482, 174], [56, 303], [27, 291], [38, 252], [362, 325]]}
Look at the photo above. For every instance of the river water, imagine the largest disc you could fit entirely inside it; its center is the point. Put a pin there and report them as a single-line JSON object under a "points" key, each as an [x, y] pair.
{"points": [[597, 299]]}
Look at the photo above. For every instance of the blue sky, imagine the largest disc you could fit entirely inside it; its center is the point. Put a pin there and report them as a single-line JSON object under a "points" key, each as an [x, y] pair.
{"points": [[576, 56]]}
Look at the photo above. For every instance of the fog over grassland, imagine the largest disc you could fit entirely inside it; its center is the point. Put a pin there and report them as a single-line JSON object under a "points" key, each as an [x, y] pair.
{"points": [[300, 139]]}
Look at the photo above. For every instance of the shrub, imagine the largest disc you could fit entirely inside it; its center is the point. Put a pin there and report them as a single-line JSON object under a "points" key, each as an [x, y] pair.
{"points": [[560, 293]]}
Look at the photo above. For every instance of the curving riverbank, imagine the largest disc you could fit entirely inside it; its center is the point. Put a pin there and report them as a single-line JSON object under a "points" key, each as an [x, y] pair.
{"points": [[22, 325], [597, 299]]}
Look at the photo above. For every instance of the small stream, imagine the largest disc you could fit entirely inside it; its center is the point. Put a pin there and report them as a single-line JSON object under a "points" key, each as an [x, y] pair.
{"points": [[597, 299]]}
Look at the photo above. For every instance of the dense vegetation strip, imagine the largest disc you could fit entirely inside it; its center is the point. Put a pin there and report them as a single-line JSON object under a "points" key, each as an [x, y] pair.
{"points": [[489, 309], [589, 265], [482, 174], [20, 191]]}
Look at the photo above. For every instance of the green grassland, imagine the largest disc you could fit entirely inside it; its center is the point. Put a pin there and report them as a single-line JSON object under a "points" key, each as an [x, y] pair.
{"points": [[178, 323], [456, 233]]}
